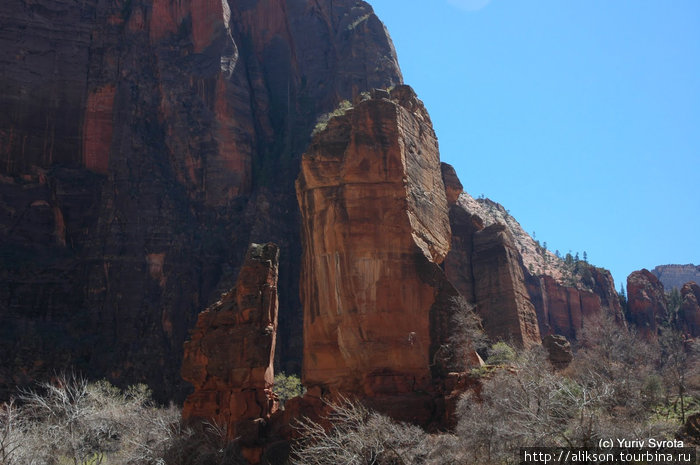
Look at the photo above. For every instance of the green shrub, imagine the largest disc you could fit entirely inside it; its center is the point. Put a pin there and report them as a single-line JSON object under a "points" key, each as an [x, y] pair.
{"points": [[500, 354], [287, 387]]}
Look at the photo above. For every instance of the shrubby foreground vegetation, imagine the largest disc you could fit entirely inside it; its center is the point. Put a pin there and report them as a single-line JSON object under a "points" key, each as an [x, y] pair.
{"points": [[71, 421], [617, 386]]}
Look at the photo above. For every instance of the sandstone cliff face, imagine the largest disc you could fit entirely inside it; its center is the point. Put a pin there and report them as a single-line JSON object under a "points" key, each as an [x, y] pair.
{"points": [[646, 302], [564, 309], [486, 263], [143, 145], [375, 228], [486, 268], [676, 275], [499, 288], [229, 357], [689, 314]]}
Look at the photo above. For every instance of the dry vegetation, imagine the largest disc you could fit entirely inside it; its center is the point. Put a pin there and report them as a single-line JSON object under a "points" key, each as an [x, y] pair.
{"points": [[617, 386], [72, 421]]}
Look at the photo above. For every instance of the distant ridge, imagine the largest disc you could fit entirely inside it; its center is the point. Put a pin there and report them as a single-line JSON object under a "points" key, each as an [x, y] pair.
{"points": [[676, 275]]}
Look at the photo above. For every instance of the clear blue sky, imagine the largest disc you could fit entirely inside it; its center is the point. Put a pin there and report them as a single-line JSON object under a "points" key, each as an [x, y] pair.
{"points": [[580, 116]]}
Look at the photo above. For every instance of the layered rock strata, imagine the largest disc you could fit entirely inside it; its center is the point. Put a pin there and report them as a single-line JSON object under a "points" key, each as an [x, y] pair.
{"points": [[143, 145], [675, 276], [374, 230], [646, 303], [229, 356]]}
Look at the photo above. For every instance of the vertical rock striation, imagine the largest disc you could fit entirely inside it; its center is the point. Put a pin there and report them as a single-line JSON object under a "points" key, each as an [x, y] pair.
{"points": [[487, 264], [374, 230], [229, 356], [143, 145]]}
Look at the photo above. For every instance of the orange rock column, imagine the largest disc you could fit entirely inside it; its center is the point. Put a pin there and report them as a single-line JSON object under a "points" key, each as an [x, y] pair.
{"points": [[373, 212], [229, 357]]}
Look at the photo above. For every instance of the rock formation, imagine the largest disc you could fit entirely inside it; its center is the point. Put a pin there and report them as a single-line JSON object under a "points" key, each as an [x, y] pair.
{"points": [[558, 349], [564, 309], [646, 302], [487, 264], [499, 288], [143, 145], [676, 275], [375, 228], [229, 356], [689, 313]]}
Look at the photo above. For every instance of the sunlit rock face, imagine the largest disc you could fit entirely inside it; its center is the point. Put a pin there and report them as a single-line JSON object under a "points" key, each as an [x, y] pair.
{"points": [[143, 145], [493, 263], [374, 229]]}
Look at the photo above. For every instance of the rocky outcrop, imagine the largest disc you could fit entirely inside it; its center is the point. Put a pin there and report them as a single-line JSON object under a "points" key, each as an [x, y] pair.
{"points": [[646, 302], [229, 356], [689, 313], [559, 350], [375, 228], [143, 145], [676, 275]]}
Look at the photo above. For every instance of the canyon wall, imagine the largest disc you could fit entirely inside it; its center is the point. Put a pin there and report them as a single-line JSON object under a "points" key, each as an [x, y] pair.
{"points": [[143, 145], [494, 264], [676, 275]]}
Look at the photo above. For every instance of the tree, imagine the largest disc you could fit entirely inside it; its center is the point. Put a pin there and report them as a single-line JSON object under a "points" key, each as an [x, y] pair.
{"points": [[12, 437], [585, 256], [622, 296], [287, 387], [679, 362]]}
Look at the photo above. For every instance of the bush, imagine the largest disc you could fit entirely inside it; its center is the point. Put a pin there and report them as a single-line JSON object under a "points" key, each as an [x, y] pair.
{"points": [[500, 354], [287, 387], [322, 121], [71, 420], [359, 436]]}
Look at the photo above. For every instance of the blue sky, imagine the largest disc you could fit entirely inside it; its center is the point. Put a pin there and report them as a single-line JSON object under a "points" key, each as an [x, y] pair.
{"points": [[580, 117]]}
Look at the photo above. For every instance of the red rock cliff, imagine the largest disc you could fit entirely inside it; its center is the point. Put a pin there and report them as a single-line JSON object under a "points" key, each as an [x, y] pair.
{"points": [[374, 229], [690, 309], [143, 145], [492, 262], [229, 355], [646, 302]]}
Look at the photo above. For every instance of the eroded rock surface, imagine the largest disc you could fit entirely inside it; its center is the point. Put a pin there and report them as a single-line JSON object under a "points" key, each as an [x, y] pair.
{"points": [[375, 229], [494, 264], [689, 314], [143, 145], [676, 275], [229, 356], [558, 349], [646, 302]]}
